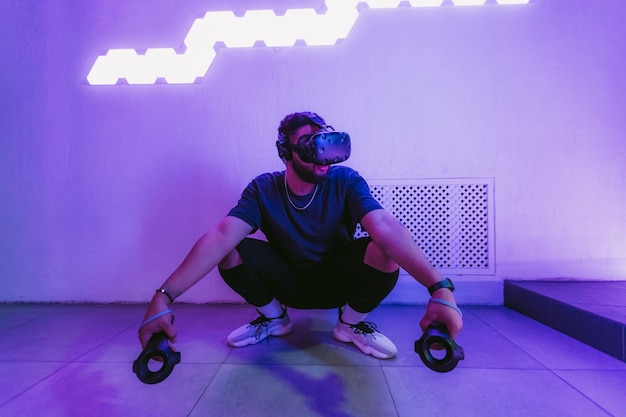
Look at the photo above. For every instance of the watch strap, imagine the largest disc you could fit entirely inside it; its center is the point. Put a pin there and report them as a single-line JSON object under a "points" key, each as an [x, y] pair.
{"points": [[162, 291], [444, 283]]}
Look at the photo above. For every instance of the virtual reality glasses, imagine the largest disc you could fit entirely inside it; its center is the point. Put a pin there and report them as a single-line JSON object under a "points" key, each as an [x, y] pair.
{"points": [[324, 147], [321, 148]]}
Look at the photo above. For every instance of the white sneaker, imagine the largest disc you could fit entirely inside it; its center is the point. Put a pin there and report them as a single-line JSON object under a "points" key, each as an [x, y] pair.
{"points": [[365, 336], [260, 329]]}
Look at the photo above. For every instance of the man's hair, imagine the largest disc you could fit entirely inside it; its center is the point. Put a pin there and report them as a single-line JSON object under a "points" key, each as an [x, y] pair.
{"points": [[293, 122]]}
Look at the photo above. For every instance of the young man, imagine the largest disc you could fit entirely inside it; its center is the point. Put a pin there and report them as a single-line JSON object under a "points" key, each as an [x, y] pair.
{"points": [[308, 213]]}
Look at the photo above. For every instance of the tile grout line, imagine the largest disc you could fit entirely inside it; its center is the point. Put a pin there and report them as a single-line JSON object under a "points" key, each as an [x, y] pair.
{"points": [[35, 384], [581, 393], [34, 319], [393, 400], [551, 370], [513, 342]]}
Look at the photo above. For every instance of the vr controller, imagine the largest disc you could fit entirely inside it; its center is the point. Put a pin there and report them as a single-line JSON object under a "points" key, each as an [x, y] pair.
{"points": [[437, 333], [157, 348]]}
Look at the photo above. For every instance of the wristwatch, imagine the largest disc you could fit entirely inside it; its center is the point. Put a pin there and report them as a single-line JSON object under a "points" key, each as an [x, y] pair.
{"points": [[445, 283], [167, 294]]}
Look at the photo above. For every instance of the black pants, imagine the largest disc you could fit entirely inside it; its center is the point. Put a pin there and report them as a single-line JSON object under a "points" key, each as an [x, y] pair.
{"points": [[342, 278]]}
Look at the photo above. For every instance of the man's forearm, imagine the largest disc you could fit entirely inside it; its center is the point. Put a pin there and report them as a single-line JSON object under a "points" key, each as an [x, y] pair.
{"points": [[397, 243], [206, 253]]}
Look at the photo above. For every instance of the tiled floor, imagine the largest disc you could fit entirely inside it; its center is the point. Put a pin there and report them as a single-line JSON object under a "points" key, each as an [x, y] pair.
{"points": [[593, 312], [75, 360]]}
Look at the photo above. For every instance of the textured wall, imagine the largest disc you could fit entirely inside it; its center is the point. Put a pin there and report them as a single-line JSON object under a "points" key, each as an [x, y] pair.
{"points": [[105, 188]]}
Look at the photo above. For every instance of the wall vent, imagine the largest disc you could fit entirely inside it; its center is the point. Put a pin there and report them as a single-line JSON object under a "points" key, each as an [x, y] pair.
{"points": [[451, 220]]}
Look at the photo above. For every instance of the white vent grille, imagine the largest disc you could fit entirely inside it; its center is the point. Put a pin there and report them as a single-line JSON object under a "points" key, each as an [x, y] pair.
{"points": [[451, 220]]}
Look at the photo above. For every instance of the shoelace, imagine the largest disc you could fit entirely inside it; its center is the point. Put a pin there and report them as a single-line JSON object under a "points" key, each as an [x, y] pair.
{"points": [[263, 322], [364, 327], [260, 323]]}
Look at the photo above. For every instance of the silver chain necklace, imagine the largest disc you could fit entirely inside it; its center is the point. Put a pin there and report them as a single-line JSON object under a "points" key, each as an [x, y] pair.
{"points": [[292, 203]]}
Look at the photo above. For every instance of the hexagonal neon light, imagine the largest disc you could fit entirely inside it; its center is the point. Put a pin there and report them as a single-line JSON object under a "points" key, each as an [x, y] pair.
{"points": [[253, 28]]}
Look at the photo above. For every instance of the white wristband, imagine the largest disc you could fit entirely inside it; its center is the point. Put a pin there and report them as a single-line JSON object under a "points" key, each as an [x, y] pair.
{"points": [[446, 303], [156, 316]]}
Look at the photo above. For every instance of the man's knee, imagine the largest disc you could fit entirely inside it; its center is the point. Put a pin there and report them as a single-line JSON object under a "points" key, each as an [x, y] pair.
{"points": [[231, 260], [375, 258]]}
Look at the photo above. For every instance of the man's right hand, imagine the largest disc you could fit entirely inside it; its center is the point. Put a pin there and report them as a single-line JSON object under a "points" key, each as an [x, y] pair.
{"points": [[443, 314], [160, 324]]}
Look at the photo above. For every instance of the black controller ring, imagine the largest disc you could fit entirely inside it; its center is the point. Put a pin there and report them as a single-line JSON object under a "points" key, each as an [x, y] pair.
{"points": [[159, 349]]}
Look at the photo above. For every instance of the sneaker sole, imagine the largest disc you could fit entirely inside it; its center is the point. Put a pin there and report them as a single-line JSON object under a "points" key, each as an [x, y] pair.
{"points": [[281, 331], [368, 350]]}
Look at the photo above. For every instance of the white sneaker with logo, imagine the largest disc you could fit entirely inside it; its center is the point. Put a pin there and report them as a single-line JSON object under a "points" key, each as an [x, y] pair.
{"points": [[366, 337], [260, 329]]}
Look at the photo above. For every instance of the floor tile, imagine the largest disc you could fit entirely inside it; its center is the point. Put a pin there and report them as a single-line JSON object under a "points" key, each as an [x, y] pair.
{"points": [[591, 329], [261, 390], [17, 377], [67, 333], [76, 360], [609, 393], [96, 390], [12, 315], [484, 346], [310, 343], [548, 346], [593, 312], [486, 392], [201, 335]]}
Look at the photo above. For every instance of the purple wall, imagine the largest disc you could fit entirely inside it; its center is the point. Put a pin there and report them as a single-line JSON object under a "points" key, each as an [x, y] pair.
{"points": [[105, 188]]}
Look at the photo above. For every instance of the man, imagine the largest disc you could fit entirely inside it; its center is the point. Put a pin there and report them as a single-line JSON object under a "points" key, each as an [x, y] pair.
{"points": [[308, 213]]}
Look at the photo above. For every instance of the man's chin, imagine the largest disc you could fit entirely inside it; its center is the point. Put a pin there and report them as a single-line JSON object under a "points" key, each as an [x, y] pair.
{"points": [[320, 173], [319, 178], [314, 178], [314, 175]]}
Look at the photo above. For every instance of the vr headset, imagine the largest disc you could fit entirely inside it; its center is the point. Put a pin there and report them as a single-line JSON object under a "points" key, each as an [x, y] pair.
{"points": [[325, 147]]}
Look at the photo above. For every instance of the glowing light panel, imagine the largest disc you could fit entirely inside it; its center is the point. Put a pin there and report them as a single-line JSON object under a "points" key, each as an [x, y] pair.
{"points": [[513, 1], [251, 29], [468, 2]]}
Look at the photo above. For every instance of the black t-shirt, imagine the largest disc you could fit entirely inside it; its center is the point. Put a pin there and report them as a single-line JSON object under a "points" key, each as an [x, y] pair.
{"points": [[306, 236]]}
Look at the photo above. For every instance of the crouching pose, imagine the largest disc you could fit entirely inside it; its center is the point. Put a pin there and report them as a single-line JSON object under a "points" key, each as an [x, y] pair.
{"points": [[308, 213]]}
